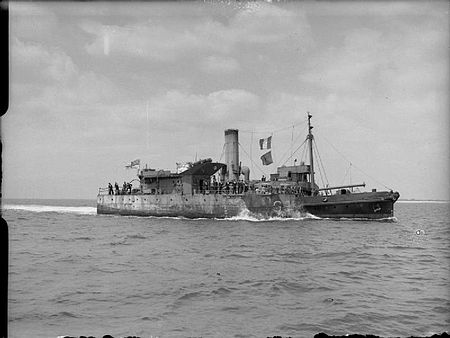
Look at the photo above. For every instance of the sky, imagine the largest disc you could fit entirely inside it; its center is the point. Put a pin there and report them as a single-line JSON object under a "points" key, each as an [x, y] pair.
{"points": [[95, 85]]}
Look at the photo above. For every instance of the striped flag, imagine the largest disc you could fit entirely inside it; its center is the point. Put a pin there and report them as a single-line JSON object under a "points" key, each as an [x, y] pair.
{"points": [[134, 163], [265, 143], [267, 158]]}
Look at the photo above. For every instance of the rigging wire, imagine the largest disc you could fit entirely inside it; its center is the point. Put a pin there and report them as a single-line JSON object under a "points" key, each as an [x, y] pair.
{"points": [[303, 157], [252, 132], [346, 173], [350, 174], [223, 150], [292, 140], [294, 152], [251, 160], [362, 171], [273, 131], [320, 161], [318, 167]]}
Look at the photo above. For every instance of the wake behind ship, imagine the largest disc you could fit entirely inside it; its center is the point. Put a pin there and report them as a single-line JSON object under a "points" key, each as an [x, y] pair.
{"points": [[207, 189]]}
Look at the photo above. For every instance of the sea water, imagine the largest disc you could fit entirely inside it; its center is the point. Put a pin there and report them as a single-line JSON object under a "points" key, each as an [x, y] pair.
{"points": [[73, 272]]}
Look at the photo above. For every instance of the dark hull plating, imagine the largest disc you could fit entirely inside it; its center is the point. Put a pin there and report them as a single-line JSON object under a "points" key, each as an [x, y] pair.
{"points": [[370, 205]]}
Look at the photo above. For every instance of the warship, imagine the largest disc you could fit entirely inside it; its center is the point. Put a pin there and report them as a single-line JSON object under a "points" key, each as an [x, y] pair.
{"points": [[208, 189]]}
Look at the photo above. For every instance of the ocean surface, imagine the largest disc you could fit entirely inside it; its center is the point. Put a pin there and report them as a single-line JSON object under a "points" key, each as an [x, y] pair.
{"points": [[73, 272]]}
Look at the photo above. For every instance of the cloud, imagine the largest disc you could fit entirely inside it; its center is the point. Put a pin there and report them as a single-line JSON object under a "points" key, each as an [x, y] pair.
{"points": [[380, 9], [54, 74], [53, 96], [262, 23], [32, 20], [347, 67], [139, 40], [375, 70], [376, 79], [255, 24], [163, 43], [33, 62], [218, 107], [219, 65]]}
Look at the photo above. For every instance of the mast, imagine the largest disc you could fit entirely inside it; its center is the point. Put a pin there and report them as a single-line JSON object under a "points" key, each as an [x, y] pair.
{"points": [[311, 158]]}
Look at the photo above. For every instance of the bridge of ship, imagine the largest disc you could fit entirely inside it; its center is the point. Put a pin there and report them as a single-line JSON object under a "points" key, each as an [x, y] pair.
{"points": [[188, 182]]}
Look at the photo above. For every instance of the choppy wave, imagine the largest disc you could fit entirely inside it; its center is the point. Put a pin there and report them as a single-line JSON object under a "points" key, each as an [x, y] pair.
{"points": [[51, 208]]}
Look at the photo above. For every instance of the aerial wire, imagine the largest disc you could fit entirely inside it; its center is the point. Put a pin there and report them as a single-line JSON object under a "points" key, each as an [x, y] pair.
{"points": [[362, 171], [251, 160], [320, 161], [292, 140], [273, 131], [292, 153]]}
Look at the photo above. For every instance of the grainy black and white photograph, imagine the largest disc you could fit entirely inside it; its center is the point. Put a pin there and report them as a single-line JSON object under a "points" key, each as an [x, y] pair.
{"points": [[179, 169]]}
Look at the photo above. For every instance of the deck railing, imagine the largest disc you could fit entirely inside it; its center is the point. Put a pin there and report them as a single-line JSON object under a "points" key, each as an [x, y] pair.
{"points": [[103, 191], [106, 191], [213, 191]]}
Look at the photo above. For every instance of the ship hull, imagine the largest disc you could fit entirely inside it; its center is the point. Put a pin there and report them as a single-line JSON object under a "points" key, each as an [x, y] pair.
{"points": [[370, 205]]}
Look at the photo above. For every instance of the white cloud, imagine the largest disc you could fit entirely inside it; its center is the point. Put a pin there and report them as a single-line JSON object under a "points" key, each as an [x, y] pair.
{"points": [[51, 97], [146, 40], [219, 107], [258, 23], [32, 61], [218, 65], [264, 23], [348, 67], [375, 70], [51, 76]]}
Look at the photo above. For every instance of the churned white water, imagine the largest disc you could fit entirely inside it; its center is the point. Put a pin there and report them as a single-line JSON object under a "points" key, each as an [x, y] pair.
{"points": [[52, 208]]}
